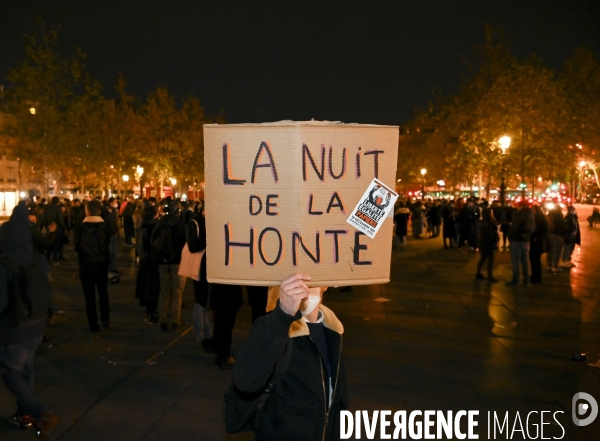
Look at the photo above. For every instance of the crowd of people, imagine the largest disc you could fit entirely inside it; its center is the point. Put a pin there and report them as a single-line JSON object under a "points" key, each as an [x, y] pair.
{"points": [[162, 234], [527, 231], [156, 231]]}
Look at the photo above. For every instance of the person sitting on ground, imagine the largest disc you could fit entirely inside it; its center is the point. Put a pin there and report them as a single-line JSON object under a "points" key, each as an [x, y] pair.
{"points": [[595, 217], [307, 400]]}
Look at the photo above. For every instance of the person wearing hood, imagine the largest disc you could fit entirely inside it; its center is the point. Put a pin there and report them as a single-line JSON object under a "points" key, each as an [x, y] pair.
{"points": [[306, 402], [169, 258], [19, 342], [519, 235]]}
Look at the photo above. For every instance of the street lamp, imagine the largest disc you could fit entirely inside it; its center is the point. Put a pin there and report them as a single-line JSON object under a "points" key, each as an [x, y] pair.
{"points": [[504, 143], [125, 179], [423, 173]]}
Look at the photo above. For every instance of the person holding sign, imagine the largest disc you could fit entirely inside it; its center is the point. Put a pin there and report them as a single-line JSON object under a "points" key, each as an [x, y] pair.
{"points": [[306, 401]]}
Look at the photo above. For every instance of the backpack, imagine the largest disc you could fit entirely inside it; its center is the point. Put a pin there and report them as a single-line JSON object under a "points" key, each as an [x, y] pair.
{"points": [[93, 244], [28, 292], [241, 410], [163, 250]]}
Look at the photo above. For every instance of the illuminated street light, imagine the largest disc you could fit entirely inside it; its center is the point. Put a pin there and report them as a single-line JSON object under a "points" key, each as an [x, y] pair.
{"points": [[139, 172], [423, 171], [125, 178], [504, 143], [173, 181], [32, 110], [582, 164]]}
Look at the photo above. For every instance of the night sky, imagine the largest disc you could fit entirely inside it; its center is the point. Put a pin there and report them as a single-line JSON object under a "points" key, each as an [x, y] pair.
{"points": [[354, 61]]}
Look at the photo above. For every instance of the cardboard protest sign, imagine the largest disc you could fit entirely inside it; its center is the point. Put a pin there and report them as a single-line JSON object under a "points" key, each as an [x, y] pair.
{"points": [[278, 196], [376, 203]]}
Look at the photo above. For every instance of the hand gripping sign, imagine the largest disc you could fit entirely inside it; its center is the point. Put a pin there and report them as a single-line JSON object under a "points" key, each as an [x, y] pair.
{"points": [[278, 196]]}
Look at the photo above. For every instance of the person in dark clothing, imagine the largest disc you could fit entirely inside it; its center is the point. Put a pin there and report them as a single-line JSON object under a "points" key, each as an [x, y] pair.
{"points": [[572, 237], [506, 222], [18, 344], [538, 244], [434, 217], [171, 283], [187, 213], [92, 239], [488, 238], [225, 300], [401, 220], [306, 402], [556, 236], [201, 316], [110, 214], [595, 217], [128, 225], [147, 284], [257, 299], [466, 221], [417, 217], [519, 235], [77, 213], [54, 215], [449, 227]]}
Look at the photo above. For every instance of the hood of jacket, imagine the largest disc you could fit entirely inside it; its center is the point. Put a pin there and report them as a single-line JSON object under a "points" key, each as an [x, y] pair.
{"points": [[299, 328], [16, 239]]}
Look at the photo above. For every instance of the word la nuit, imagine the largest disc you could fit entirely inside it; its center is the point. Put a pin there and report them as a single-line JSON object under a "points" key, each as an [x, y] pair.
{"points": [[310, 160]]}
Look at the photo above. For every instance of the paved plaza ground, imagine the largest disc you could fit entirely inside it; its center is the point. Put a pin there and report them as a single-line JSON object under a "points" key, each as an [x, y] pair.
{"points": [[443, 341]]}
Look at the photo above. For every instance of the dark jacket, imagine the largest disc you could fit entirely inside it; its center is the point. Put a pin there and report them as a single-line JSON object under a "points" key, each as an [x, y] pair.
{"points": [[77, 215], [111, 217], [196, 242], [539, 236], [196, 234], [488, 235], [222, 296], [16, 242], [91, 222], [53, 214], [297, 407], [449, 229], [143, 238], [177, 227], [523, 224], [556, 223], [401, 219], [147, 285], [571, 229]]}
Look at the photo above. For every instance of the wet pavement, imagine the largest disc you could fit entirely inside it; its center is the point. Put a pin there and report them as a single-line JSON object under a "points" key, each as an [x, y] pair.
{"points": [[432, 339]]}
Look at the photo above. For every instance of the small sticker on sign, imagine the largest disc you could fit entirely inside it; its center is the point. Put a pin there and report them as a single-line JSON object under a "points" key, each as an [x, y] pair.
{"points": [[376, 203]]}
